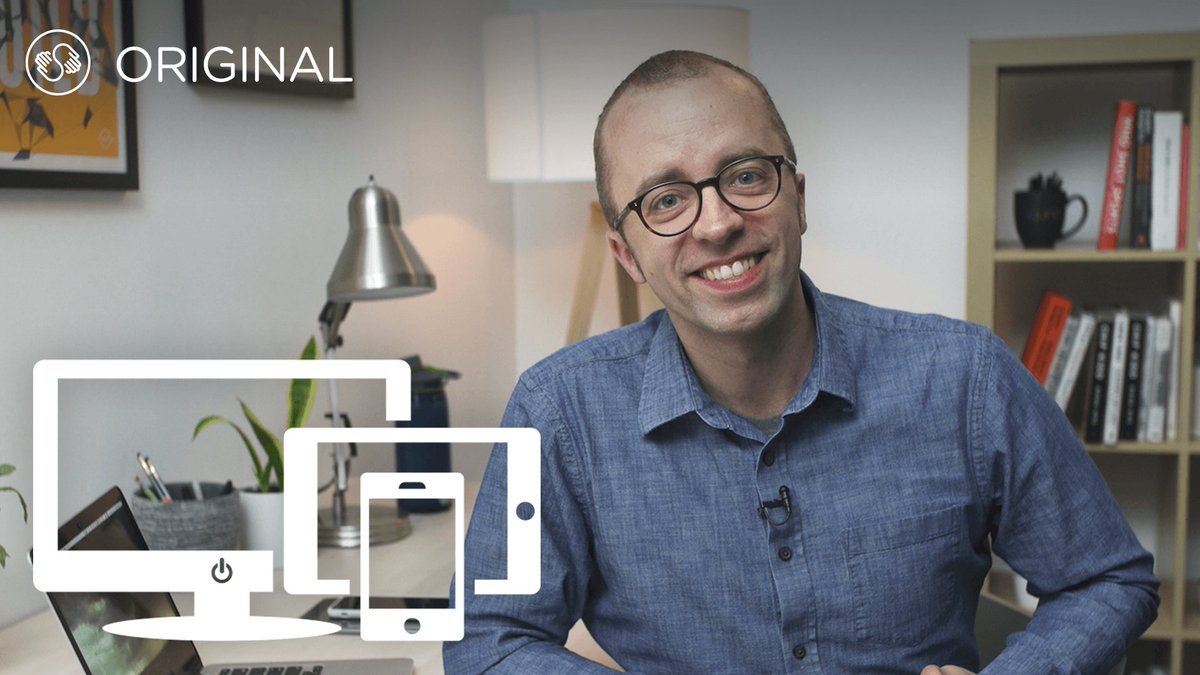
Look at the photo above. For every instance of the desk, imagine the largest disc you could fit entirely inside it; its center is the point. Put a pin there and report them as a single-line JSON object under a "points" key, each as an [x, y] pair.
{"points": [[421, 564]]}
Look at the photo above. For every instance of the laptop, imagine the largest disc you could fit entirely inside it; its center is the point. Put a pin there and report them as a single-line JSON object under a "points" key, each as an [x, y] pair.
{"points": [[107, 524]]}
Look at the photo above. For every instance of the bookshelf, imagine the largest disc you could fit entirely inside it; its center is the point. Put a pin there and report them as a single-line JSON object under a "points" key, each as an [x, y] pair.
{"points": [[1047, 104]]}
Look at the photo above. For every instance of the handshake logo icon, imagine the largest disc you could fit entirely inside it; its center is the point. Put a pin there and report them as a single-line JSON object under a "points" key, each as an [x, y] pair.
{"points": [[54, 55], [53, 67]]}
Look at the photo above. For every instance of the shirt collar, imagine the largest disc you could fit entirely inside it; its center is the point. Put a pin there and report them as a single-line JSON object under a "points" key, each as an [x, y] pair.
{"points": [[670, 388]]}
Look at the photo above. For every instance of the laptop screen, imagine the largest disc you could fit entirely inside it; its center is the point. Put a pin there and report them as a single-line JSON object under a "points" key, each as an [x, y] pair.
{"points": [[108, 525]]}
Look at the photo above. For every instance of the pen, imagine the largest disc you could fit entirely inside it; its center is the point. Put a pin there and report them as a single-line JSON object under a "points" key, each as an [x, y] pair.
{"points": [[144, 489], [155, 481]]}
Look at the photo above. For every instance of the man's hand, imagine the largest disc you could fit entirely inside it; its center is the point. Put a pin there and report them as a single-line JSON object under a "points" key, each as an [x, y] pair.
{"points": [[945, 670]]}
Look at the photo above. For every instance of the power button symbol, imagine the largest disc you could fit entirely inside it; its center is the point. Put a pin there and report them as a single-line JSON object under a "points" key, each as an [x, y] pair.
{"points": [[225, 572]]}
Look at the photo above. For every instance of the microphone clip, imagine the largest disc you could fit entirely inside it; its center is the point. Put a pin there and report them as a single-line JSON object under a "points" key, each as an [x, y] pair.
{"points": [[784, 502]]}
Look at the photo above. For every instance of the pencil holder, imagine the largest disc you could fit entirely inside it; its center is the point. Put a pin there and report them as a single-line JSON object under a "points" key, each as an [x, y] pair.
{"points": [[189, 524]]}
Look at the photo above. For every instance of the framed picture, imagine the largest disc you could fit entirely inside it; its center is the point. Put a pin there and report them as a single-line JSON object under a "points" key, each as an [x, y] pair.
{"points": [[67, 120], [292, 46]]}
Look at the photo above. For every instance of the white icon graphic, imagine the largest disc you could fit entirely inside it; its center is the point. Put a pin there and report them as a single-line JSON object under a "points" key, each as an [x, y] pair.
{"points": [[223, 580], [47, 58], [380, 624], [54, 60]]}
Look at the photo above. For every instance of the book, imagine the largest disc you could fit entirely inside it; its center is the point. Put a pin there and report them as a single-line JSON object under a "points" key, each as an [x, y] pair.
{"points": [[1195, 400], [1149, 367], [1185, 142], [1167, 158], [1175, 317], [1139, 187], [1116, 375], [1097, 391], [1118, 174], [1131, 389], [1075, 358], [1156, 417], [1048, 323], [1058, 365]]}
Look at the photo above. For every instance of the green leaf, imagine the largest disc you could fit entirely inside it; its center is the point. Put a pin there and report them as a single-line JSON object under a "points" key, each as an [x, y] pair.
{"points": [[3, 556], [259, 474], [270, 445], [6, 469], [24, 506], [302, 393]]}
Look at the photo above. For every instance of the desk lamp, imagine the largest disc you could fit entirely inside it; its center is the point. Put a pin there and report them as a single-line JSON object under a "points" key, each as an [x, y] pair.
{"points": [[377, 263]]}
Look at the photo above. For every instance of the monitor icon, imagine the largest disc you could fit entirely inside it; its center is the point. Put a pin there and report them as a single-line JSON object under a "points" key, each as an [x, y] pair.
{"points": [[222, 581]]}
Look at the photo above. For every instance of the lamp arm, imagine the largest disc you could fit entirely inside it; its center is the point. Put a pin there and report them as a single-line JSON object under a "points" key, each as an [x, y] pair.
{"points": [[331, 317]]}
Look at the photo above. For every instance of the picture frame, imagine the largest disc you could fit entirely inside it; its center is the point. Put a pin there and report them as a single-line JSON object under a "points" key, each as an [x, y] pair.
{"points": [[73, 130], [324, 26]]}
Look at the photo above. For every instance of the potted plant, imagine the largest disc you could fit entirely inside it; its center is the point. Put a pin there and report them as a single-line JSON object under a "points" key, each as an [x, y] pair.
{"points": [[6, 469], [262, 503]]}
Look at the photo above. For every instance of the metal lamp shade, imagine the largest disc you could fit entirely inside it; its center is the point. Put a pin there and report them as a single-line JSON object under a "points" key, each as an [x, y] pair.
{"points": [[377, 261]]}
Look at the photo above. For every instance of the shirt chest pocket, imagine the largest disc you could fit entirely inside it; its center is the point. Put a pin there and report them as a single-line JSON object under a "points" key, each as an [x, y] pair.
{"points": [[903, 577]]}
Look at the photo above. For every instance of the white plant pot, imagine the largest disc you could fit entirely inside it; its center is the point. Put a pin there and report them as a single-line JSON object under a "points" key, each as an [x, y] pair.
{"points": [[262, 522]]}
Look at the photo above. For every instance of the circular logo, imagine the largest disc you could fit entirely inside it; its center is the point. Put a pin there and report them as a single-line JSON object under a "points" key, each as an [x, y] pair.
{"points": [[49, 60]]}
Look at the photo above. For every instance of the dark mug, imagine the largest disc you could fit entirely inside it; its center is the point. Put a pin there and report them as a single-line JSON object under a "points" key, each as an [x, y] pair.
{"points": [[1040, 214]]}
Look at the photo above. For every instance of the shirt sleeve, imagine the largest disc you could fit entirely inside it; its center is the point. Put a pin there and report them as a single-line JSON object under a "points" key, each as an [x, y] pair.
{"points": [[1054, 520], [526, 633]]}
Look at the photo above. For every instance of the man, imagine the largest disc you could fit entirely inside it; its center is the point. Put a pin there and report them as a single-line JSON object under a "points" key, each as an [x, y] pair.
{"points": [[765, 478]]}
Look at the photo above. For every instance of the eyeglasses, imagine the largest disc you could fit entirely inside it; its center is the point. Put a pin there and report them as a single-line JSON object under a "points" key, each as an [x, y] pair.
{"points": [[672, 208]]}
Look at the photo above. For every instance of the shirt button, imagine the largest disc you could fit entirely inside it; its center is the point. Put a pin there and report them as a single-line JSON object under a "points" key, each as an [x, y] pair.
{"points": [[769, 457], [785, 554], [799, 652]]}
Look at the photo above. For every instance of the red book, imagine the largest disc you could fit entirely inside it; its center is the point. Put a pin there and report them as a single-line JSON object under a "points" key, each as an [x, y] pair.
{"points": [[1186, 146], [1118, 173], [1047, 329]]}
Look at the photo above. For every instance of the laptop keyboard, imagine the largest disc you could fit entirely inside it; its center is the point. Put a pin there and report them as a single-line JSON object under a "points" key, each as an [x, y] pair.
{"points": [[273, 670]]}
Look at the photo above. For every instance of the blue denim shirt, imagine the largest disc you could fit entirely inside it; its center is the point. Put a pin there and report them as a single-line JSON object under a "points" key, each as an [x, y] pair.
{"points": [[915, 446]]}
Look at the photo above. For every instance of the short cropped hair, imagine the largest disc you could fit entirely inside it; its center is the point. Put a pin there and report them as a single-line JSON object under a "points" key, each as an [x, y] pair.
{"points": [[660, 70]]}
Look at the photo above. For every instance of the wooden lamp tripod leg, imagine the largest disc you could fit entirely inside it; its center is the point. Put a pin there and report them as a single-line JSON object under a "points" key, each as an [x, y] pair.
{"points": [[587, 283]]}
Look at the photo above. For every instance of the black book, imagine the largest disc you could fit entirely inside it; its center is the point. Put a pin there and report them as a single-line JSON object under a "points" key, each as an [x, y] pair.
{"points": [[1098, 381], [1131, 392], [1139, 190]]}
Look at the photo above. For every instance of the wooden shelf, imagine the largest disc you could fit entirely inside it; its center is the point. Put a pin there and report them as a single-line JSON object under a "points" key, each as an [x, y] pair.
{"points": [[1087, 255], [1046, 103], [1132, 448], [1191, 627], [1164, 626]]}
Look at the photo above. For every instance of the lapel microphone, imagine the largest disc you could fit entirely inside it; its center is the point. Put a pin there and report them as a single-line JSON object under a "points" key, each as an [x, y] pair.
{"points": [[784, 502]]}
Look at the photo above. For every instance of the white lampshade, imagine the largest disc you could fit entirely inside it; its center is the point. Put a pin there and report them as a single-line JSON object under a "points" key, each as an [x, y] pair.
{"points": [[548, 74]]}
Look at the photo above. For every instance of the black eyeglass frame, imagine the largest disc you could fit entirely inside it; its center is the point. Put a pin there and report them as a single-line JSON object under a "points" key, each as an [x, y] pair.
{"points": [[635, 206]]}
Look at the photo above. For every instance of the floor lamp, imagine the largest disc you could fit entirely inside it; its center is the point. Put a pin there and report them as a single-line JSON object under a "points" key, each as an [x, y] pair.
{"points": [[376, 263], [546, 77]]}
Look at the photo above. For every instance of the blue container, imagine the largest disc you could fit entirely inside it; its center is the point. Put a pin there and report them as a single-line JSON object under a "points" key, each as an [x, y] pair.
{"points": [[429, 409]]}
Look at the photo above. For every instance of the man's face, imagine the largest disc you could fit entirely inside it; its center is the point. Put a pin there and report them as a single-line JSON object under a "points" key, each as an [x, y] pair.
{"points": [[690, 130]]}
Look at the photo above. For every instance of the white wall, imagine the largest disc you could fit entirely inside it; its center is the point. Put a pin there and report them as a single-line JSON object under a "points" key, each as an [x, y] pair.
{"points": [[225, 250]]}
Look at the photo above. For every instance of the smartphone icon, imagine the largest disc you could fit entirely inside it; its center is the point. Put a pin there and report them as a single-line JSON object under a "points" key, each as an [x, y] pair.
{"points": [[349, 607], [411, 624]]}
